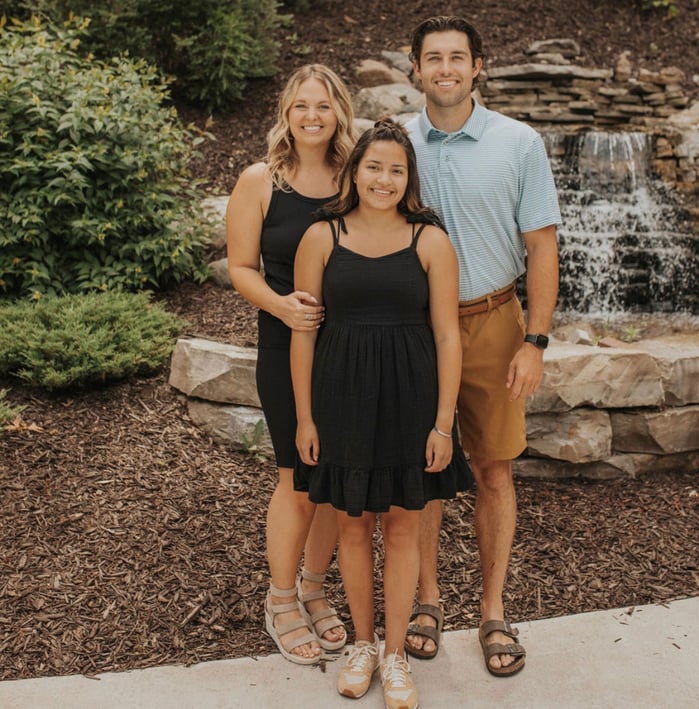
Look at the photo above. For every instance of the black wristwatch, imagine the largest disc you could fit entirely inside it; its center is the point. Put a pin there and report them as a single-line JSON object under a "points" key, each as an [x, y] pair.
{"points": [[540, 341]]}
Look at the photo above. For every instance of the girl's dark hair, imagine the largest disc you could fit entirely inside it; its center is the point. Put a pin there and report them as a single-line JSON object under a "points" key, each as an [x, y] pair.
{"points": [[410, 205], [446, 23]]}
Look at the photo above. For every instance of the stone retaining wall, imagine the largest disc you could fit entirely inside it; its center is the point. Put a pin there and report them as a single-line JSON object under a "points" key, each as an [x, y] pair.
{"points": [[600, 412]]}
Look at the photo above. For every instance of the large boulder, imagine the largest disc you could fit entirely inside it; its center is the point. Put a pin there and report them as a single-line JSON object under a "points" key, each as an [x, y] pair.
{"points": [[576, 375], [242, 427], [391, 99], [579, 436], [215, 371], [672, 430]]}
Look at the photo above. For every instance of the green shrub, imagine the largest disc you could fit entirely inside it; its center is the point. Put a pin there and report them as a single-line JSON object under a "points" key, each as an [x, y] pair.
{"points": [[235, 43], [211, 47], [7, 412], [84, 340], [95, 191]]}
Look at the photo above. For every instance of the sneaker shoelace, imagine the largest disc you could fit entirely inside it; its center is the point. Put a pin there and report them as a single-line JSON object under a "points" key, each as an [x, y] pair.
{"points": [[396, 672], [359, 655]]}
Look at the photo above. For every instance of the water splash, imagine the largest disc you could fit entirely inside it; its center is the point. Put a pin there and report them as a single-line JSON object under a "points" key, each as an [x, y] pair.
{"points": [[626, 244]]}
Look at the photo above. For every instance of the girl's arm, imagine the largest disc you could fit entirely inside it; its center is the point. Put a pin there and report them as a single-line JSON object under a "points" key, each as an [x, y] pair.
{"points": [[439, 260], [311, 258], [245, 215]]}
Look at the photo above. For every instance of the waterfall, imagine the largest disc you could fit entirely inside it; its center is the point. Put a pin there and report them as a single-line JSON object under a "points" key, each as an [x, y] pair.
{"points": [[626, 244]]}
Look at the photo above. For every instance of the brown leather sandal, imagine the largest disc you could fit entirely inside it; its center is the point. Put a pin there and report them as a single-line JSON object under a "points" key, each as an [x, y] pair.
{"points": [[427, 631], [492, 649]]}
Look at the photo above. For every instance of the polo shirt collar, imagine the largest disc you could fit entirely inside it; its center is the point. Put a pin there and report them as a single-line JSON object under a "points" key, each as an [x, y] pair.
{"points": [[473, 128]]}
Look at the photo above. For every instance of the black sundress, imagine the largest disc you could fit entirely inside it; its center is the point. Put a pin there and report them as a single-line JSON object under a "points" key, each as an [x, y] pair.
{"points": [[374, 387]]}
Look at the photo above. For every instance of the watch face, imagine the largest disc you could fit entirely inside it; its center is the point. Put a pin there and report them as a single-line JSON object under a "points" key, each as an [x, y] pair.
{"points": [[540, 341]]}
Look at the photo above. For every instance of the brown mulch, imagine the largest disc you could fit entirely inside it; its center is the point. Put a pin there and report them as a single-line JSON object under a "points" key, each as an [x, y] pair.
{"points": [[131, 539]]}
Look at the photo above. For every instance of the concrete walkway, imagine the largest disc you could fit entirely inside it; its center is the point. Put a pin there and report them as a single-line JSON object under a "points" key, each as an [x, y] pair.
{"points": [[642, 657]]}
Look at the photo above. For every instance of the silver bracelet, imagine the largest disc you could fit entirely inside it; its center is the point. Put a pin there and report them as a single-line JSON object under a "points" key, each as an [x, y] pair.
{"points": [[441, 433]]}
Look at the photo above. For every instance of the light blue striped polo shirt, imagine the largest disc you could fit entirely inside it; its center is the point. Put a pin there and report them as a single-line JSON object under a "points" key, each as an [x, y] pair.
{"points": [[489, 182]]}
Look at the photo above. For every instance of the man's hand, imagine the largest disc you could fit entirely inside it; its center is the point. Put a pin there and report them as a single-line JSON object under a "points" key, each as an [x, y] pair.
{"points": [[525, 372]]}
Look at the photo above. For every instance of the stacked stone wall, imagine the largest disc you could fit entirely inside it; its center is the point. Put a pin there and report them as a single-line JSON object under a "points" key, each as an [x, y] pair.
{"points": [[600, 412]]}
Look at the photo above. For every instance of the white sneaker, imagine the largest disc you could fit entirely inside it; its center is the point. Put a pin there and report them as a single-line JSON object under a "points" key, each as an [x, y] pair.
{"points": [[355, 677], [398, 689]]}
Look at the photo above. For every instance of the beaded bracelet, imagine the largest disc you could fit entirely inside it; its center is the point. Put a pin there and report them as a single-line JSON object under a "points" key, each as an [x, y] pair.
{"points": [[441, 433]]}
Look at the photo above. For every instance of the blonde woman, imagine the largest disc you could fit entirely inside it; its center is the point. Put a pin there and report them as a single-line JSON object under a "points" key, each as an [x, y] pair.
{"points": [[268, 212]]}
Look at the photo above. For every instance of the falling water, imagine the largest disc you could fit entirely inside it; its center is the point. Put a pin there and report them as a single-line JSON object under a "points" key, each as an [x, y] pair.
{"points": [[625, 242]]}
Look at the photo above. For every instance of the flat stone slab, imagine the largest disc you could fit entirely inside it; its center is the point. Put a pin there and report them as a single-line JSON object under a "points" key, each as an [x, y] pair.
{"points": [[579, 436], [672, 430], [618, 466], [605, 378], [237, 426], [545, 71], [677, 357], [215, 371]]}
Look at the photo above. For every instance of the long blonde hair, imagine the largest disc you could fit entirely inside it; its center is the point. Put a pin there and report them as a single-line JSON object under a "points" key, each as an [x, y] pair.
{"points": [[282, 158]]}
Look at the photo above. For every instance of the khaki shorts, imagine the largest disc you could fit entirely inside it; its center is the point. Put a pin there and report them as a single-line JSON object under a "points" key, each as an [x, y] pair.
{"points": [[492, 426]]}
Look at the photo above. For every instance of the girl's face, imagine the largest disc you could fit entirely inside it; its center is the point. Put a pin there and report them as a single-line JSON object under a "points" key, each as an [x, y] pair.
{"points": [[382, 175], [312, 119]]}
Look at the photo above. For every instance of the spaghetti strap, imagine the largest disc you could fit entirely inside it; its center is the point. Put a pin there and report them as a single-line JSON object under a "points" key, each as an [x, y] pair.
{"points": [[416, 236], [335, 232]]}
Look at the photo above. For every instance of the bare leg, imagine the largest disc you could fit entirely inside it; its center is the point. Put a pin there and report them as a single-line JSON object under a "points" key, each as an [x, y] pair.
{"points": [[289, 518], [495, 518], [401, 567], [357, 568], [428, 584], [318, 552]]}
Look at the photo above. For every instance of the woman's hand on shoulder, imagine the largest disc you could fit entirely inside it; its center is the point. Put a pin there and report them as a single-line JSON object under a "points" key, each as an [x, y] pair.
{"points": [[306, 309], [301, 311]]}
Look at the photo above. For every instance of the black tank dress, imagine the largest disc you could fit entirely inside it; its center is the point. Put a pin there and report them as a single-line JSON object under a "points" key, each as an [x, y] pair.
{"points": [[374, 387], [288, 217]]}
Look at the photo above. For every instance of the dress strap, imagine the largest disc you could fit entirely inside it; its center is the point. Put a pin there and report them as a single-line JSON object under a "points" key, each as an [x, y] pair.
{"points": [[337, 229], [416, 236], [335, 232]]}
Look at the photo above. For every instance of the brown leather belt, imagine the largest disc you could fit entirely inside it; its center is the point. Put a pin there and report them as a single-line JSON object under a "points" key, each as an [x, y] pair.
{"points": [[489, 302]]}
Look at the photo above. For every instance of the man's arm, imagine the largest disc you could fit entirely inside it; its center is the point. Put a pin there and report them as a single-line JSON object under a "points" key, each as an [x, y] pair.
{"points": [[527, 366]]}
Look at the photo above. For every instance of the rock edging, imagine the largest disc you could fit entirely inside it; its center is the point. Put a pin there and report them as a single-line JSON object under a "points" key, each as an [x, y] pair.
{"points": [[601, 412]]}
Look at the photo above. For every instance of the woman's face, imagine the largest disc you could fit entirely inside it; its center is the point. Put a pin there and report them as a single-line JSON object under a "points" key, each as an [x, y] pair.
{"points": [[312, 119], [382, 175]]}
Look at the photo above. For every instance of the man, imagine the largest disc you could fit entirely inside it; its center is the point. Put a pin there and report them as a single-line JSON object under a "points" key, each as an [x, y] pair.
{"points": [[488, 177]]}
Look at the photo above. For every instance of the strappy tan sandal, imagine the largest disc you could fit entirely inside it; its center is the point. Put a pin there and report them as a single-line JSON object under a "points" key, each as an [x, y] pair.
{"points": [[322, 620], [272, 610]]}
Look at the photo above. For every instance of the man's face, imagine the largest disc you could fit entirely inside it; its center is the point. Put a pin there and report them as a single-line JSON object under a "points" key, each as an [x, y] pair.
{"points": [[446, 68]]}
